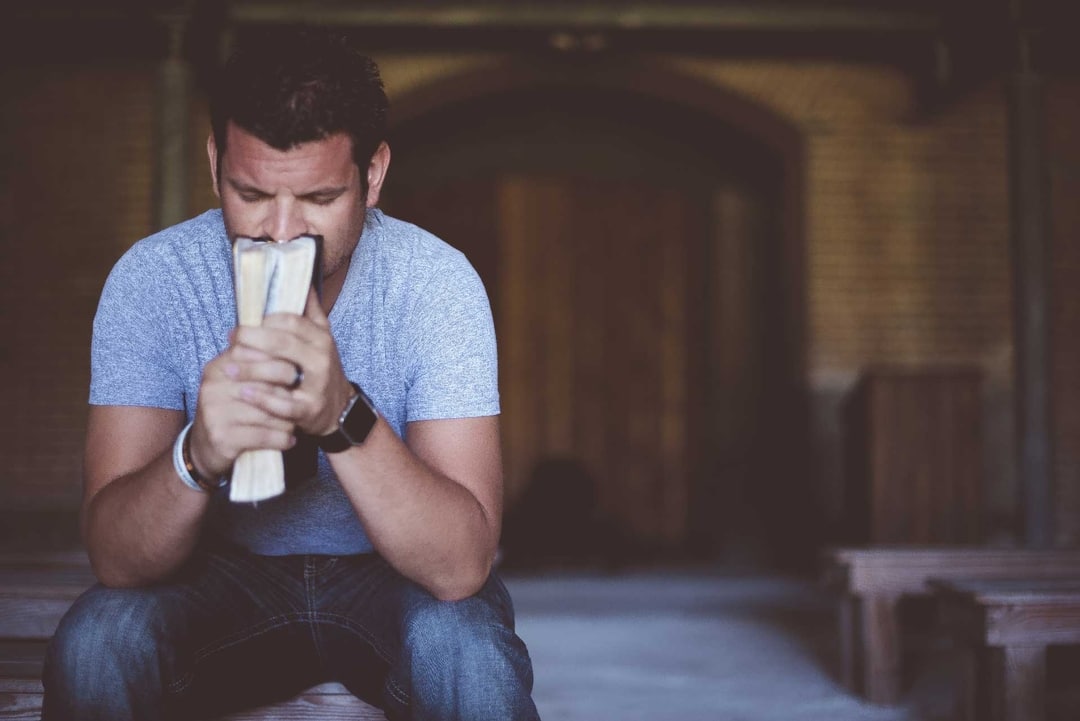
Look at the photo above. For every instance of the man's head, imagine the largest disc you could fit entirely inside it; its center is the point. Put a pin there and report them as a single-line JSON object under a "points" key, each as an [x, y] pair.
{"points": [[297, 145], [305, 86]]}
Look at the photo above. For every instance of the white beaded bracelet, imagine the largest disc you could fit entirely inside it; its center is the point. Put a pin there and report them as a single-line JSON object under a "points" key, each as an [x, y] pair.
{"points": [[178, 461], [183, 467]]}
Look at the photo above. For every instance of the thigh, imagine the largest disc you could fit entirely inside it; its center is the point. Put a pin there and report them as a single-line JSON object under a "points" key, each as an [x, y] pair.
{"points": [[220, 634], [370, 616]]}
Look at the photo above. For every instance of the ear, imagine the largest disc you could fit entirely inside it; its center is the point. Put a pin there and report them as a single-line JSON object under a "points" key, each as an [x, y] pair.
{"points": [[376, 173], [212, 154]]}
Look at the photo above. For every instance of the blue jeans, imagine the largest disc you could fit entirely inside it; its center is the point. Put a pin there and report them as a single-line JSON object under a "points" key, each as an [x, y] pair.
{"points": [[235, 630]]}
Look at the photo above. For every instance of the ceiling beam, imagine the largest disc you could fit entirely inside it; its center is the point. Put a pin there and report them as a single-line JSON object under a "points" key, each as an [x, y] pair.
{"points": [[743, 16]]}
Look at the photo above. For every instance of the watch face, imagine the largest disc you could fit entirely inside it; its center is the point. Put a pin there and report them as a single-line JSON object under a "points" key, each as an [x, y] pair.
{"points": [[359, 419]]}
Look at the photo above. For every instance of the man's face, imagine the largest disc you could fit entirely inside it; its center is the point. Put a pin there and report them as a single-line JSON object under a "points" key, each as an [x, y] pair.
{"points": [[312, 188]]}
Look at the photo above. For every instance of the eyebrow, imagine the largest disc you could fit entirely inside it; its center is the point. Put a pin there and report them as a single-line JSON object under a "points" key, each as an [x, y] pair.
{"points": [[333, 191]]}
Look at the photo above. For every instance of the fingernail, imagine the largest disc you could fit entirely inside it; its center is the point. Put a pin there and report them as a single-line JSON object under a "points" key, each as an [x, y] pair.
{"points": [[247, 392], [232, 370]]}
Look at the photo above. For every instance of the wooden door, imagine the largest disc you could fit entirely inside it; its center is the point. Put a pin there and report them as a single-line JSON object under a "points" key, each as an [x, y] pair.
{"points": [[597, 289]]}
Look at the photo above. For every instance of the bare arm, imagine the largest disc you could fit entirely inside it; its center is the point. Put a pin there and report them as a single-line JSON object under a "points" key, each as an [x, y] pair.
{"points": [[139, 521], [432, 507]]}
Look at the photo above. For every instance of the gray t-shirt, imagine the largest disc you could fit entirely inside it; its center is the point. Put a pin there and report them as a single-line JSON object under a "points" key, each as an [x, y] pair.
{"points": [[412, 324]]}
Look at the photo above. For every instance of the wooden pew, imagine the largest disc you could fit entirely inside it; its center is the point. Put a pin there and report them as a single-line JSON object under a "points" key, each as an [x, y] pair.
{"points": [[1004, 627], [35, 592], [20, 700], [871, 582]]}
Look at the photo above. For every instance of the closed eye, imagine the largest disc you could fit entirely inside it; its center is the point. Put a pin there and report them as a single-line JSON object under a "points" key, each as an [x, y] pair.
{"points": [[323, 198], [247, 193]]}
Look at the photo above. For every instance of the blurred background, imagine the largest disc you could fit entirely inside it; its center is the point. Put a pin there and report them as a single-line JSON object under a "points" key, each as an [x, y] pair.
{"points": [[767, 276]]}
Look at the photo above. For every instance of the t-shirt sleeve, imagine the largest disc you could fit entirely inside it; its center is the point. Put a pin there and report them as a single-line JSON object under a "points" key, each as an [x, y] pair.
{"points": [[130, 363], [452, 354]]}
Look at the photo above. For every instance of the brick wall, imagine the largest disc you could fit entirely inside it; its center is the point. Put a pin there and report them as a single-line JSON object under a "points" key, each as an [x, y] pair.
{"points": [[76, 166]]}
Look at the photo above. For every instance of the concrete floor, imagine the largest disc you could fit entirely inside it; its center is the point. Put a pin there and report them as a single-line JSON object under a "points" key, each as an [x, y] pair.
{"points": [[694, 646]]}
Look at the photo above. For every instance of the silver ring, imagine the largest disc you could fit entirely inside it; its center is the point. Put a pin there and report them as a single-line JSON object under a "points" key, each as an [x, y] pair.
{"points": [[298, 378]]}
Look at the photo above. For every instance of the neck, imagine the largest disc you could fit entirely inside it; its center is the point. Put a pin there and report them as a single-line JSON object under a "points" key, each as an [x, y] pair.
{"points": [[331, 287]]}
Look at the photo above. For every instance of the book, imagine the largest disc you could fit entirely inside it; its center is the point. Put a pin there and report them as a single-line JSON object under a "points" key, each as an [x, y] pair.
{"points": [[270, 277]]}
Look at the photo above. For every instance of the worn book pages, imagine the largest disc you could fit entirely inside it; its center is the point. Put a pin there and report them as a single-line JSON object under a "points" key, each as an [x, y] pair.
{"points": [[270, 278]]}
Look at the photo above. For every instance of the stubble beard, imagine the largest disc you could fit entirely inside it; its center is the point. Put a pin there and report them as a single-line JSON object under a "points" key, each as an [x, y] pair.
{"points": [[340, 262]]}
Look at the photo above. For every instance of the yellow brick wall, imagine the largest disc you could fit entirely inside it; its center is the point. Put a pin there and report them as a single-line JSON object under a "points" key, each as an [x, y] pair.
{"points": [[906, 226]]}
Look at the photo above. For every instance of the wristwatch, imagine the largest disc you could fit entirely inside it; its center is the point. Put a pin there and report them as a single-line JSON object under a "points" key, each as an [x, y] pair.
{"points": [[354, 424]]}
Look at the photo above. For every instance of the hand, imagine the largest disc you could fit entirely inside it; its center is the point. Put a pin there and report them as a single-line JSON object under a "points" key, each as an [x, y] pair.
{"points": [[227, 421], [289, 342]]}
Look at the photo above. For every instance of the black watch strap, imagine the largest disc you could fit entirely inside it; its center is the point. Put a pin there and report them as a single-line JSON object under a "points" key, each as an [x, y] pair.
{"points": [[335, 442], [355, 423]]}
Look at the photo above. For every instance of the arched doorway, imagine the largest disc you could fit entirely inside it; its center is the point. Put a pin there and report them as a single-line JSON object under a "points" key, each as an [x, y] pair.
{"points": [[639, 254]]}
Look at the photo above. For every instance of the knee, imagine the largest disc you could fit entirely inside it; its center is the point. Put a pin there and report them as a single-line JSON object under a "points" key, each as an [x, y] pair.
{"points": [[107, 635], [464, 655], [452, 628], [107, 623], [471, 638]]}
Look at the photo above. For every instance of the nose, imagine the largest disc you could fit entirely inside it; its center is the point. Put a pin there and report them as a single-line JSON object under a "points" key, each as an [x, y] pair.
{"points": [[285, 220]]}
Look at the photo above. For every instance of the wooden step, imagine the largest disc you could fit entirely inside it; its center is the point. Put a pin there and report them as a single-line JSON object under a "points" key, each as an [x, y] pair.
{"points": [[20, 700], [21, 658], [20, 693], [33, 599]]}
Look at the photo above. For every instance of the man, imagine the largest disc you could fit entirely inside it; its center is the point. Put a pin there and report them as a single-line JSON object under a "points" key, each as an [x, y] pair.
{"points": [[376, 570]]}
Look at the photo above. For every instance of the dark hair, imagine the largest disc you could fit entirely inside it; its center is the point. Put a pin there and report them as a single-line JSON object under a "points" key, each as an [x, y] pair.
{"points": [[298, 86]]}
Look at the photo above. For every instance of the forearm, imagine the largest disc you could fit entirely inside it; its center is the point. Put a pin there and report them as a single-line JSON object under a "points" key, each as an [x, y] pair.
{"points": [[142, 526], [140, 520], [431, 528]]}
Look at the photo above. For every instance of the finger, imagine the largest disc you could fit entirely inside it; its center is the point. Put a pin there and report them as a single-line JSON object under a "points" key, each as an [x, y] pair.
{"points": [[217, 444], [230, 364], [226, 392], [274, 371], [247, 354], [240, 436], [240, 407], [303, 327], [295, 340], [298, 378], [276, 401], [248, 438], [290, 323], [279, 337]]}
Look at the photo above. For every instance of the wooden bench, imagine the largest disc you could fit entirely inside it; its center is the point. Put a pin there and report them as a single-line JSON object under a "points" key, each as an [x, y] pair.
{"points": [[35, 592], [20, 700], [1005, 627], [871, 582]]}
